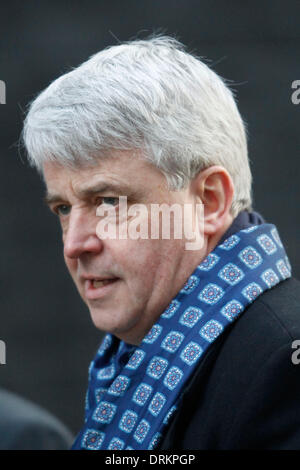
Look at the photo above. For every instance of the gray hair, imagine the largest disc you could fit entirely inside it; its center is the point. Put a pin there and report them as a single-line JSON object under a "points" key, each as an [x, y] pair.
{"points": [[150, 95]]}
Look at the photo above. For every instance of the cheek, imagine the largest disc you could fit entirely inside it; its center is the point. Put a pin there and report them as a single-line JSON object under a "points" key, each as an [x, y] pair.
{"points": [[145, 262], [72, 266]]}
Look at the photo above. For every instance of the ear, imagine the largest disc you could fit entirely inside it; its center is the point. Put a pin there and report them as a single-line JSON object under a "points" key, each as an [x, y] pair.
{"points": [[215, 189]]}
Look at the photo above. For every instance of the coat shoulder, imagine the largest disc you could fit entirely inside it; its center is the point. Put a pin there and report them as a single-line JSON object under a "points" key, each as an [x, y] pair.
{"points": [[253, 353]]}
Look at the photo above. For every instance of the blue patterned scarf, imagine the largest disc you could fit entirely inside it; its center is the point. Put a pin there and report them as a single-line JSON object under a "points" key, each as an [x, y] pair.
{"points": [[133, 390]]}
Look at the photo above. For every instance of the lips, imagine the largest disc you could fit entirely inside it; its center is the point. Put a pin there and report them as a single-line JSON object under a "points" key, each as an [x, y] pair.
{"points": [[96, 288], [100, 283]]}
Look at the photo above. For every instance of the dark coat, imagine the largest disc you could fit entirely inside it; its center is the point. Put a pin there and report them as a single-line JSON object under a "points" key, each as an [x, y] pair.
{"points": [[245, 394]]}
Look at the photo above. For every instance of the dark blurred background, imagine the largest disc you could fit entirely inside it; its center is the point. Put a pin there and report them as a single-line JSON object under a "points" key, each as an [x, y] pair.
{"points": [[49, 336]]}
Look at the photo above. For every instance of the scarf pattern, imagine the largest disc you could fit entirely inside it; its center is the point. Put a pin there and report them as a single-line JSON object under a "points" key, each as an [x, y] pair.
{"points": [[134, 390]]}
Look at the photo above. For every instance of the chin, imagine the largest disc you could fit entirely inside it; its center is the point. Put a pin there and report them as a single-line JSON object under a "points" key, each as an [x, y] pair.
{"points": [[107, 321]]}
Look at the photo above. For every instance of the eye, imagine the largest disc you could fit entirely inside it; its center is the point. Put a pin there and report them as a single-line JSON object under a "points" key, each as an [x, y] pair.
{"points": [[62, 209], [112, 201]]}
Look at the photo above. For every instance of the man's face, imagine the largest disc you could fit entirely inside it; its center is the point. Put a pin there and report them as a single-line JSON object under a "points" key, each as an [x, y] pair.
{"points": [[126, 283]]}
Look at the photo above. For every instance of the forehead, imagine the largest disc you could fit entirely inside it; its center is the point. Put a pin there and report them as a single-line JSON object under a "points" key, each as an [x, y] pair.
{"points": [[123, 171]]}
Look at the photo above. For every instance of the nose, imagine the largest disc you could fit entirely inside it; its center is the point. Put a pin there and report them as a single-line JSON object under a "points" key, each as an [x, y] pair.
{"points": [[80, 236]]}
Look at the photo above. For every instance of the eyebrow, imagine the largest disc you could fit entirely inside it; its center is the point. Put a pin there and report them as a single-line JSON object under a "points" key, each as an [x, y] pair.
{"points": [[97, 188]]}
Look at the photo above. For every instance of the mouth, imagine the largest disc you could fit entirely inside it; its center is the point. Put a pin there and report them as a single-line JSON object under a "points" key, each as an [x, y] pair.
{"points": [[97, 288], [102, 282]]}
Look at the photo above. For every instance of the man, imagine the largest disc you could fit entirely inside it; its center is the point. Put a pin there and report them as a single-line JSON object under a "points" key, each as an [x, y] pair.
{"points": [[200, 326]]}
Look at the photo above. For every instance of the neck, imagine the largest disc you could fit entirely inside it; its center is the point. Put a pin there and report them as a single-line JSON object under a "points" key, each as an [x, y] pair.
{"points": [[213, 240]]}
